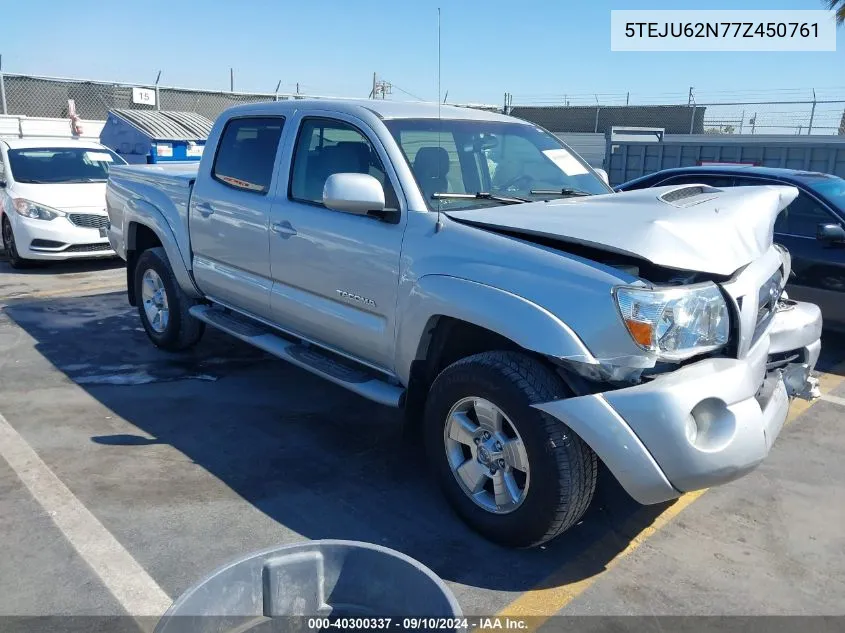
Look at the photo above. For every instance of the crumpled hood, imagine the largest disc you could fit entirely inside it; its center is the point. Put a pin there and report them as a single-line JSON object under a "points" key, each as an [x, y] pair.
{"points": [[685, 227]]}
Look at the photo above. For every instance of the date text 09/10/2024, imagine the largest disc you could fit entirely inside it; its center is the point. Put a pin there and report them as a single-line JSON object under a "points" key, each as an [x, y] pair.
{"points": [[418, 623]]}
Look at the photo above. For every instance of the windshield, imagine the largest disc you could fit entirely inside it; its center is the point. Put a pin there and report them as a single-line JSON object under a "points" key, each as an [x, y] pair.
{"points": [[832, 188], [53, 165], [502, 159]]}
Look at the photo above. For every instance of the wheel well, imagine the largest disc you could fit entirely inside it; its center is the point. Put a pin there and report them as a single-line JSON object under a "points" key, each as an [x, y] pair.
{"points": [[445, 341], [140, 239]]}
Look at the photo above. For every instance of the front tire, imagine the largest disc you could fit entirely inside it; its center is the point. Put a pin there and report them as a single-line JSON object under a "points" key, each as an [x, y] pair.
{"points": [[10, 246], [162, 305], [515, 474]]}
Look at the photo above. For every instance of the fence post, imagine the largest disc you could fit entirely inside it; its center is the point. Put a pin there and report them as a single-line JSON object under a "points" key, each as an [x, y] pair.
{"points": [[158, 101], [2, 87], [812, 113]]}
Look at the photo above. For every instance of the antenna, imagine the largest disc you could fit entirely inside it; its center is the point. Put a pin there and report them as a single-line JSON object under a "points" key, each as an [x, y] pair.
{"points": [[439, 225], [438, 62]]}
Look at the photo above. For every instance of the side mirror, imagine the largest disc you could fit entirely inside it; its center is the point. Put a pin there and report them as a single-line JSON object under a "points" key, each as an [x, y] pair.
{"points": [[831, 233], [603, 175], [360, 194]]}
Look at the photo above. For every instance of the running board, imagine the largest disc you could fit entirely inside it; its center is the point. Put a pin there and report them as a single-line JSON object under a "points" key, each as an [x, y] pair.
{"points": [[356, 378]]}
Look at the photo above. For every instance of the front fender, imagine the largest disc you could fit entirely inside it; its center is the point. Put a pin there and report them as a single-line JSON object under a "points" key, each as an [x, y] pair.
{"points": [[517, 319], [139, 212]]}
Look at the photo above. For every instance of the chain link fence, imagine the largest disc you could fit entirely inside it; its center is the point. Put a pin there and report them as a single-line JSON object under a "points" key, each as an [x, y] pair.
{"points": [[49, 97], [782, 112], [799, 112]]}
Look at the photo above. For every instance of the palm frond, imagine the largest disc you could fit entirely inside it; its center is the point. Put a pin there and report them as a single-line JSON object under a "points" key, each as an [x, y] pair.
{"points": [[839, 7]]}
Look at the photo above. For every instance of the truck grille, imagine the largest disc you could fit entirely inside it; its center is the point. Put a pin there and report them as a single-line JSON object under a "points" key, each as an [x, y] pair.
{"points": [[87, 248], [89, 220]]}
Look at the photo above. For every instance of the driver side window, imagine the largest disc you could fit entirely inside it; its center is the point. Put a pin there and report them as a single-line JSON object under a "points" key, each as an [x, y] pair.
{"points": [[802, 217], [328, 146]]}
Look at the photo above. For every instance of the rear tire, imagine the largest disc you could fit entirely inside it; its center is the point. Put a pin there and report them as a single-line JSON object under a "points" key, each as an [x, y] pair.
{"points": [[517, 507], [162, 305], [10, 246]]}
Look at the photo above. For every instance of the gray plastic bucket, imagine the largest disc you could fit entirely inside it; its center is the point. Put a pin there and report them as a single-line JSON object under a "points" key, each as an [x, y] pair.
{"points": [[286, 588]]}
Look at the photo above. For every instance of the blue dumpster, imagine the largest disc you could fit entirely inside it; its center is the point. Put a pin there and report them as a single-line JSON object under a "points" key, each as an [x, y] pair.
{"points": [[156, 136]]}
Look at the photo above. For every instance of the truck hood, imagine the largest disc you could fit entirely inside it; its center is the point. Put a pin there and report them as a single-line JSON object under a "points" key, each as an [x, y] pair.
{"points": [[689, 227]]}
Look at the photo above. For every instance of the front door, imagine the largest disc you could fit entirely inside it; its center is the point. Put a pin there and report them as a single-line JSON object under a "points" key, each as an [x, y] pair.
{"points": [[230, 214], [336, 274]]}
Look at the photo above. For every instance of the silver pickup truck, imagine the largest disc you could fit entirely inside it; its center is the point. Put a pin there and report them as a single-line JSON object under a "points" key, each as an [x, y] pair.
{"points": [[472, 269]]}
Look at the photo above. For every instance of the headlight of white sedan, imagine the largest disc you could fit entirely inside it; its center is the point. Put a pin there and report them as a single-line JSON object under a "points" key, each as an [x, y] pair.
{"points": [[676, 323], [35, 211]]}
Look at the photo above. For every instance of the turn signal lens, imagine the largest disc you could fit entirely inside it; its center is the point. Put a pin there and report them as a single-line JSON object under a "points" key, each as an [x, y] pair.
{"points": [[643, 333]]}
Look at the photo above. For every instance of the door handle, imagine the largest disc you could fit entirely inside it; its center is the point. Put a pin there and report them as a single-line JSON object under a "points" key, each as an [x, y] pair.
{"points": [[283, 229], [205, 209]]}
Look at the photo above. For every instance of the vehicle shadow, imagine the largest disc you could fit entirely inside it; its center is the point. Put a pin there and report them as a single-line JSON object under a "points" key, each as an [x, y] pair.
{"points": [[832, 357], [63, 267], [313, 457]]}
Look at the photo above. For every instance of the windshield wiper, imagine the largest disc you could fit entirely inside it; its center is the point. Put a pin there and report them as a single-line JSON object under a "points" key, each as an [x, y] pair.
{"points": [[481, 195], [560, 192], [75, 180]]}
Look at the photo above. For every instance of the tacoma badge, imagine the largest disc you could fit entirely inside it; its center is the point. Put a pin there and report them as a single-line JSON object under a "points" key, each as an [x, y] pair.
{"points": [[358, 298]]}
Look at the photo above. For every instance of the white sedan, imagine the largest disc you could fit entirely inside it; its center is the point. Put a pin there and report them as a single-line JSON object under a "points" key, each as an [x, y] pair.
{"points": [[53, 199]]}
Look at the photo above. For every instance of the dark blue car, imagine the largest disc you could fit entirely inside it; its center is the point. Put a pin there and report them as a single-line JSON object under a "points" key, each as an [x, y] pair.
{"points": [[812, 227]]}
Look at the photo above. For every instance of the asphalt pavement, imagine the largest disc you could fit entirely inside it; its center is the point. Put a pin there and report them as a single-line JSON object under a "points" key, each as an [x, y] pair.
{"points": [[188, 461]]}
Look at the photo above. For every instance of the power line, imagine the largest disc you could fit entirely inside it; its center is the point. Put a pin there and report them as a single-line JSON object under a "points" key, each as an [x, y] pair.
{"points": [[407, 93]]}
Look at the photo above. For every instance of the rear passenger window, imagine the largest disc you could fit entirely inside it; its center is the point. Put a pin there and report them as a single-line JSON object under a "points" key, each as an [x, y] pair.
{"points": [[326, 147], [246, 153]]}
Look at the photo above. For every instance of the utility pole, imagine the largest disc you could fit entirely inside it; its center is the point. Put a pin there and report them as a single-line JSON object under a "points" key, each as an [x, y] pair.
{"points": [[373, 91], [231, 80], [381, 87]]}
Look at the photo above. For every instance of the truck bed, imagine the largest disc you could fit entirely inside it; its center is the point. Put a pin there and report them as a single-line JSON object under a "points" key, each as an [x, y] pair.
{"points": [[167, 188]]}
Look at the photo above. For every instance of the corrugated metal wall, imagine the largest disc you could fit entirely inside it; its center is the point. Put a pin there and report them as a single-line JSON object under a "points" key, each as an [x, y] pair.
{"points": [[626, 160]]}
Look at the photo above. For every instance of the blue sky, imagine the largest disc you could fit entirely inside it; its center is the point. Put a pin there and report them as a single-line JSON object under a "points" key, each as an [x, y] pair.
{"points": [[526, 47]]}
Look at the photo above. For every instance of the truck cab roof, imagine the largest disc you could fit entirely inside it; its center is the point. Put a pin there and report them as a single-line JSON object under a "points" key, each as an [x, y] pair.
{"points": [[380, 108]]}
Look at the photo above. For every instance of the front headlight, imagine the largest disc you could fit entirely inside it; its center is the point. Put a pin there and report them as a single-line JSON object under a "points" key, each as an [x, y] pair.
{"points": [[29, 209], [676, 323]]}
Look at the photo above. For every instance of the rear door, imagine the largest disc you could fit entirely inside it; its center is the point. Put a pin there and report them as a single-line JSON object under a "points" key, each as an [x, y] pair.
{"points": [[336, 274], [230, 214], [819, 266]]}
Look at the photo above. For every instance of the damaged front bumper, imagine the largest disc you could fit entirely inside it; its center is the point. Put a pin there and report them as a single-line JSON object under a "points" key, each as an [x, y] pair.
{"points": [[706, 423]]}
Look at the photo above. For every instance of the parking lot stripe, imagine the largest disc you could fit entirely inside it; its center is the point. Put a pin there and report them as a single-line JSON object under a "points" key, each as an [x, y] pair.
{"points": [[833, 399], [122, 575], [542, 603]]}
